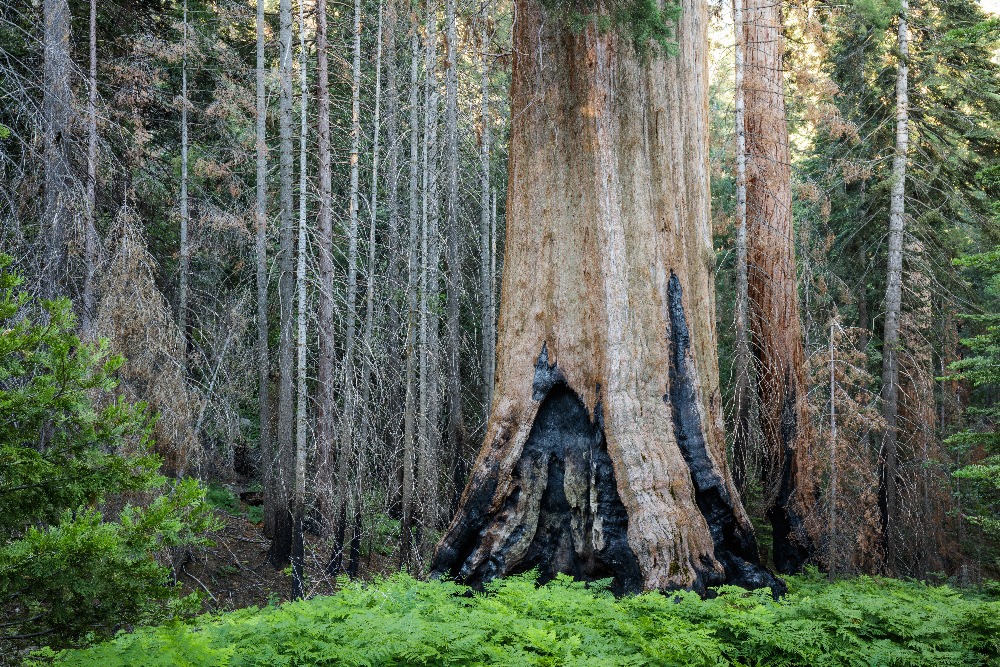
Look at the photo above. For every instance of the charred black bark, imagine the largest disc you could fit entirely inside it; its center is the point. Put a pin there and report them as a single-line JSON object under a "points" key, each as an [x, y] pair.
{"points": [[565, 478], [792, 547], [735, 547]]}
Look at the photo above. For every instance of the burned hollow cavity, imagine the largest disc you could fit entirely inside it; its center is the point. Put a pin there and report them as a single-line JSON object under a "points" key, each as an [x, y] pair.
{"points": [[564, 502]]}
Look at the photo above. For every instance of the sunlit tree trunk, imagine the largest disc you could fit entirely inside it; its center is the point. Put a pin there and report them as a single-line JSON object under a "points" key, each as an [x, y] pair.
{"points": [[889, 495], [775, 325], [742, 455], [57, 110], [604, 454]]}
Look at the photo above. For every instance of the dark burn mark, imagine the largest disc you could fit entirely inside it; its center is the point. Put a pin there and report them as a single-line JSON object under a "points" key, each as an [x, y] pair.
{"points": [[791, 547], [546, 376], [566, 474], [583, 534], [735, 548]]}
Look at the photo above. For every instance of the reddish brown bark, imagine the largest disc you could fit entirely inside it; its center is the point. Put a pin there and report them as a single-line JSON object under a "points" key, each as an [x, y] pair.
{"points": [[776, 333], [604, 454]]}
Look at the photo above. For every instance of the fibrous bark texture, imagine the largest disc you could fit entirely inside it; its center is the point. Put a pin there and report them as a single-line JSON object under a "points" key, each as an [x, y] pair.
{"points": [[604, 453], [776, 332]]}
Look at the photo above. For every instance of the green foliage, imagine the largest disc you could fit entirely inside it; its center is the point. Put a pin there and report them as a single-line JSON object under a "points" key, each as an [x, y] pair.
{"points": [[74, 557], [223, 498], [645, 22], [402, 621], [980, 368]]}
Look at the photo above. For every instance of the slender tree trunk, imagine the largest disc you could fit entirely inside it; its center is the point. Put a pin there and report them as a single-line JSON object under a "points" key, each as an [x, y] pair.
{"points": [[298, 539], [604, 455], [327, 345], [90, 240], [397, 258], [456, 421], [742, 456], [263, 356], [185, 250], [281, 544], [833, 550], [893, 296], [369, 343], [57, 108], [773, 301], [346, 456], [428, 461], [410, 409], [485, 237]]}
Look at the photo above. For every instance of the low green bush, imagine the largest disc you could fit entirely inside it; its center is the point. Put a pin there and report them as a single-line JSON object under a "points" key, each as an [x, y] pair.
{"points": [[401, 621]]}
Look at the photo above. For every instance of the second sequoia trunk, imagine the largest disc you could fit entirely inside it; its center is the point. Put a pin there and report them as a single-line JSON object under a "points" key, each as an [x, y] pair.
{"points": [[604, 454], [775, 328]]}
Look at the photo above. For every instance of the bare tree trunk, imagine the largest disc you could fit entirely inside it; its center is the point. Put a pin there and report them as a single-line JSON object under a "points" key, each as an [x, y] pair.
{"points": [[742, 455], [90, 233], [57, 107], [832, 539], [773, 301], [298, 539], [456, 421], [327, 346], [428, 462], [486, 249], [346, 457], [368, 371], [893, 296], [410, 409], [263, 356], [397, 258], [604, 455], [185, 249], [281, 543]]}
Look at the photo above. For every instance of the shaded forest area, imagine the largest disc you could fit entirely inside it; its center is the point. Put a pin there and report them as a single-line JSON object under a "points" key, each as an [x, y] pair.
{"points": [[663, 296]]}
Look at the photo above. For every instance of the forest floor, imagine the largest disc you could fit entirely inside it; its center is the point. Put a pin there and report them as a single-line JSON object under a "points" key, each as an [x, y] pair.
{"points": [[233, 572]]}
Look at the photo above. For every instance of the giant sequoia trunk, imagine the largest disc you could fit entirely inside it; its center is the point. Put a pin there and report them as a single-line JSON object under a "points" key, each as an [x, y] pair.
{"points": [[775, 328], [604, 454]]}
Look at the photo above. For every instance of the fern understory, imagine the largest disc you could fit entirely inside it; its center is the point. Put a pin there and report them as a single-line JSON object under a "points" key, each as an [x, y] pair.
{"points": [[401, 621]]}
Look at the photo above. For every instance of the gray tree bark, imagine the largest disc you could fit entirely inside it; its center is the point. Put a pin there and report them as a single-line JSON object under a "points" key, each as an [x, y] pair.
{"points": [[893, 293], [90, 233], [456, 421], [327, 346], [486, 249], [260, 211], [281, 543], [410, 408], [185, 249], [57, 109], [298, 538], [346, 454]]}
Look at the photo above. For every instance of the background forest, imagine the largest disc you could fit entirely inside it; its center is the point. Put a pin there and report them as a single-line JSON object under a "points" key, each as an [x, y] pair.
{"points": [[250, 279]]}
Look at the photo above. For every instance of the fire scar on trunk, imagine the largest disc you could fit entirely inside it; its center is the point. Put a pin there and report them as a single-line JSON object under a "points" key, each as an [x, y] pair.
{"points": [[564, 501]]}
